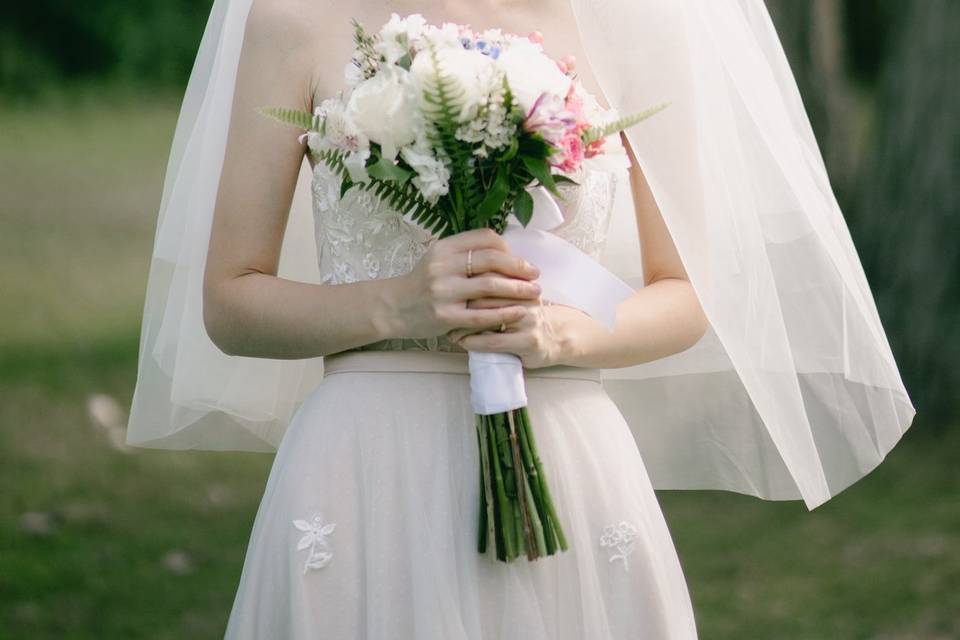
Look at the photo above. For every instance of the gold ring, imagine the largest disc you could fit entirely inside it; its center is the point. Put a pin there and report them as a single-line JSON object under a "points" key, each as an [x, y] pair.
{"points": [[469, 263], [503, 326]]}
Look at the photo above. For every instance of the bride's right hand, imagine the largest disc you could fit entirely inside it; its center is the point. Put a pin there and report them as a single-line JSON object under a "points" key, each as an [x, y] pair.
{"points": [[434, 295]]}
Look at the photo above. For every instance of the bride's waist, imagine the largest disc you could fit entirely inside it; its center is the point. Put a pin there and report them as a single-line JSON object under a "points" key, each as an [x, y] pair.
{"points": [[432, 361]]}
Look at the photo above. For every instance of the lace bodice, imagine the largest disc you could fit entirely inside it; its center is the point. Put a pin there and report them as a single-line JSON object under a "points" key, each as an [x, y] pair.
{"points": [[359, 237]]}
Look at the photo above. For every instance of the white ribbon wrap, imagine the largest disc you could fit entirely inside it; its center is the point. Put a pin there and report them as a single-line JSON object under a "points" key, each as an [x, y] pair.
{"points": [[567, 276]]}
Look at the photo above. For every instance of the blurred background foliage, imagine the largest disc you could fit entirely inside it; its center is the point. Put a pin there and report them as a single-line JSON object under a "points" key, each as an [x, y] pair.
{"points": [[98, 540], [46, 43]]}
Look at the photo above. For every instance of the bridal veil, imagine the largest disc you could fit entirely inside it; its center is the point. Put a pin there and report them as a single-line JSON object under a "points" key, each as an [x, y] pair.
{"points": [[793, 392]]}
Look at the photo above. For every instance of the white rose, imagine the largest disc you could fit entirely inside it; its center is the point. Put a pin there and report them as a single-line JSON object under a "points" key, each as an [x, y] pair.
{"points": [[474, 72], [384, 109], [530, 72]]}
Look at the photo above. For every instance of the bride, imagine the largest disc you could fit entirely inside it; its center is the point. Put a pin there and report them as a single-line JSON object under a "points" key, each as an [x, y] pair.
{"points": [[351, 361]]}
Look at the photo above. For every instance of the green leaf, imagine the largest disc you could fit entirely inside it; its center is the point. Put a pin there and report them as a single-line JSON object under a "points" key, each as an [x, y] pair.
{"points": [[385, 170], [294, 117], [496, 195], [562, 179], [523, 207], [540, 170], [511, 151]]}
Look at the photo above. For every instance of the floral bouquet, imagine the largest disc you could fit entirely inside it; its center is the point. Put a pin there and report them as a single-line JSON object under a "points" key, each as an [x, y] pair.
{"points": [[461, 130]]}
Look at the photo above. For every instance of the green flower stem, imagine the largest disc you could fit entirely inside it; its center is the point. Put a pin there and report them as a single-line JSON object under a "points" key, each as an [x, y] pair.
{"points": [[484, 519], [551, 511], [522, 501], [534, 483], [487, 486], [481, 524], [541, 548], [505, 511]]}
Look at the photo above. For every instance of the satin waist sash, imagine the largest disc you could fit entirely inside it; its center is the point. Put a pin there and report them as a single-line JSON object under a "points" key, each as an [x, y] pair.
{"points": [[434, 362]]}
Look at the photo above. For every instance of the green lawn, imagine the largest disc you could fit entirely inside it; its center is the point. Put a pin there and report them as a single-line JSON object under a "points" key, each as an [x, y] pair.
{"points": [[101, 542]]}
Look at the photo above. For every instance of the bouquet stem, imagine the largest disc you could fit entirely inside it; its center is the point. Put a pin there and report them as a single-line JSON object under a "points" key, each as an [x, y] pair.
{"points": [[517, 514]]}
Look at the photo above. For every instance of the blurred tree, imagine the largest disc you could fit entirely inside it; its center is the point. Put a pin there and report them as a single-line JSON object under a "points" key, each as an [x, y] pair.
{"points": [[813, 37], [149, 42], [909, 228]]}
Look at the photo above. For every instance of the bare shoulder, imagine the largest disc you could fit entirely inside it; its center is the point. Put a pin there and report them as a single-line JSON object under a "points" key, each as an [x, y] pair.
{"points": [[301, 38]]}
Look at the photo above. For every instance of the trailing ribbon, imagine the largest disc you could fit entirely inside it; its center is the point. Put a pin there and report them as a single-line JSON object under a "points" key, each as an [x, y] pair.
{"points": [[567, 276]]}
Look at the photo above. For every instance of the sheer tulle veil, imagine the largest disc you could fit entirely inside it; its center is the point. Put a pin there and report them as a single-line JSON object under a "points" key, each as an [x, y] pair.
{"points": [[793, 392]]}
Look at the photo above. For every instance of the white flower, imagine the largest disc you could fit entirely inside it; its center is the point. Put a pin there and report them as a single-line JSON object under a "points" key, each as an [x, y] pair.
{"points": [[433, 176], [492, 36], [352, 74], [356, 165], [446, 35], [398, 35], [339, 129], [530, 72], [384, 109], [475, 73]]}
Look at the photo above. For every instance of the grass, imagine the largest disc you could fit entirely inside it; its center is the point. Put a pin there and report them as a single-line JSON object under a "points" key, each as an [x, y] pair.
{"points": [[101, 542]]}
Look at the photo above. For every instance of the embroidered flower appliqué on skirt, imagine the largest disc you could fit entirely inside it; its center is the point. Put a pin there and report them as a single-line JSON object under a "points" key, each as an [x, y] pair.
{"points": [[314, 538], [620, 538]]}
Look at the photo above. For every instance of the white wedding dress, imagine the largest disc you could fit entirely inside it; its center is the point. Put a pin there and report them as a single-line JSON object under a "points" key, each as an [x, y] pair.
{"points": [[368, 524]]}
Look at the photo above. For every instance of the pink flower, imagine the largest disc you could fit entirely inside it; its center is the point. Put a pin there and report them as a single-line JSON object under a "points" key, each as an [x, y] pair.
{"points": [[570, 62], [535, 37], [571, 153], [595, 148], [550, 119], [574, 104]]}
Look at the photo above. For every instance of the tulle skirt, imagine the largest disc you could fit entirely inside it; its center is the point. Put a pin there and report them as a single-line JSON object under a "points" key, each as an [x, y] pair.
{"points": [[368, 524]]}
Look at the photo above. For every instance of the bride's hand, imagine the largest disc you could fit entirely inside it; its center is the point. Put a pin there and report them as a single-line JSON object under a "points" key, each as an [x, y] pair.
{"points": [[436, 293], [544, 337]]}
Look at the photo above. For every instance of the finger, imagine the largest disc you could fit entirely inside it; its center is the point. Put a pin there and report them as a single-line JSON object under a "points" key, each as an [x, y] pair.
{"points": [[486, 260], [492, 285], [486, 319], [460, 332], [455, 335], [495, 341], [476, 239], [493, 303]]}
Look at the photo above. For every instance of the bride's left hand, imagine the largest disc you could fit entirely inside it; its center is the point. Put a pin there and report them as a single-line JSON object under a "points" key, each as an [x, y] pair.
{"points": [[543, 337]]}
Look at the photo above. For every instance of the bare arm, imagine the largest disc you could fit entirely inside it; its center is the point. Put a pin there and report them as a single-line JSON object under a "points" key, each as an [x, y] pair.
{"points": [[248, 310], [662, 318]]}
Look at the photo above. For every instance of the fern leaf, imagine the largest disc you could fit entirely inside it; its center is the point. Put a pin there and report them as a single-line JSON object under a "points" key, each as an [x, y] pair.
{"points": [[402, 197], [294, 117], [596, 133]]}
